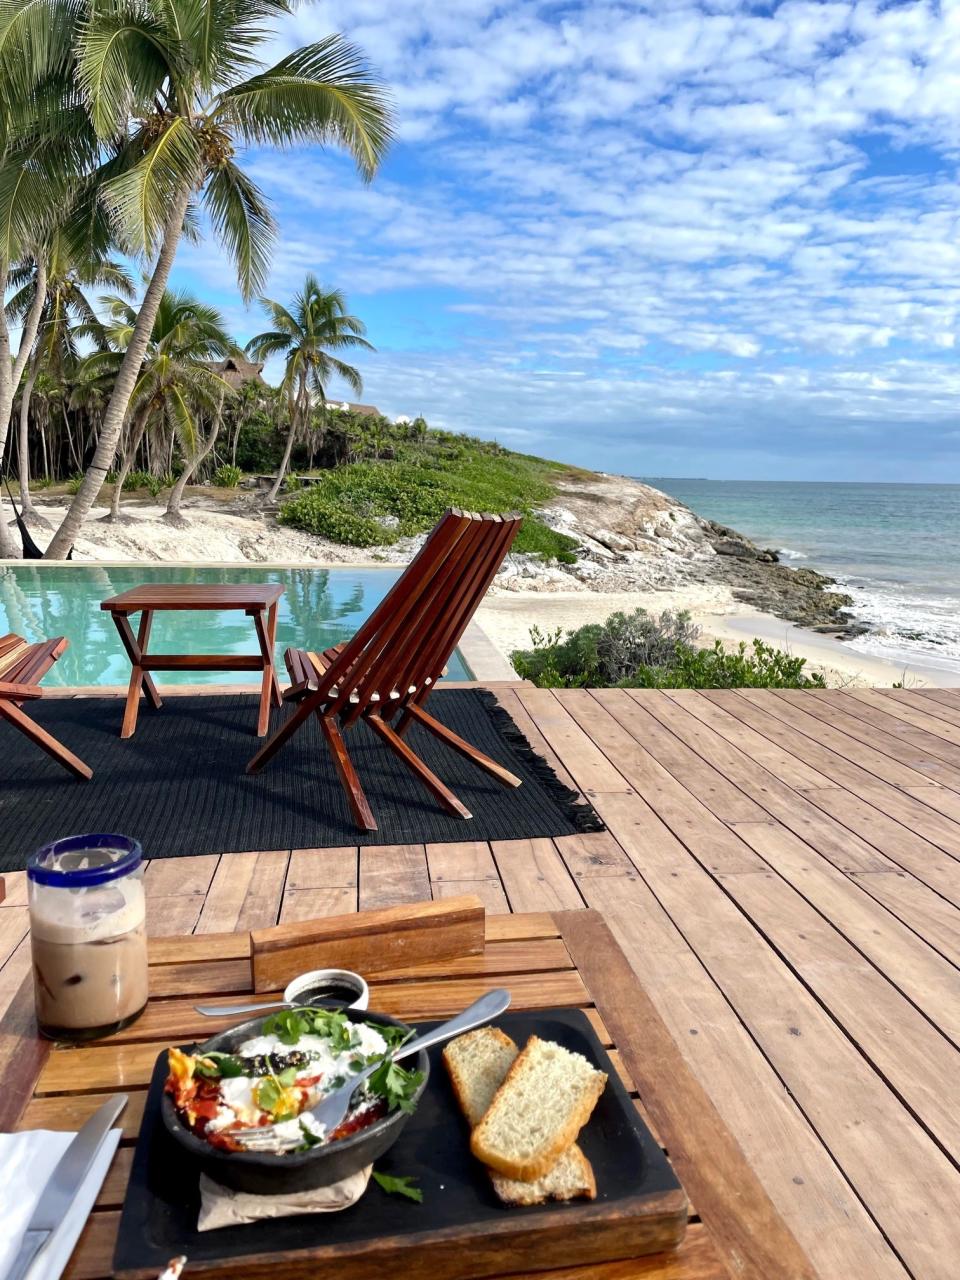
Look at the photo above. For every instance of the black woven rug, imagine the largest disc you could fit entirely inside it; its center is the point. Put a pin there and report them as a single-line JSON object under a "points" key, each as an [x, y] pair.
{"points": [[179, 787]]}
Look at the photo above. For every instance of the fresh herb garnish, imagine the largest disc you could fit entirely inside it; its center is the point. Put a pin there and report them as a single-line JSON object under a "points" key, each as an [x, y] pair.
{"points": [[396, 1085], [310, 1139], [398, 1186], [395, 1036], [290, 1024], [273, 1095]]}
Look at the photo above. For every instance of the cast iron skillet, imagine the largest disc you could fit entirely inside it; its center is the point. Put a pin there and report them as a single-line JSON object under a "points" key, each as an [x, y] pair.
{"points": [[320, 1166]]}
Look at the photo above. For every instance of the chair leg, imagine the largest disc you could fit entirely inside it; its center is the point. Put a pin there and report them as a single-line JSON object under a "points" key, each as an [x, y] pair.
{"points": [[286, 730], [359, 805], [45, 741], [453, 740], [429, 779]]}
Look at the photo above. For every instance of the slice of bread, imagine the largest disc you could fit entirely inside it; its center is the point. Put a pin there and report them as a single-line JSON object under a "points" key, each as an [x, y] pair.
{"points": [[545, 1100], [477, 1064], [570, 1178]]}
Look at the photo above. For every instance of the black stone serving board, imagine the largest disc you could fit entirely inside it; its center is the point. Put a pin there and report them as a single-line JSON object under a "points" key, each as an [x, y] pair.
{"points": [[460, 1230]]}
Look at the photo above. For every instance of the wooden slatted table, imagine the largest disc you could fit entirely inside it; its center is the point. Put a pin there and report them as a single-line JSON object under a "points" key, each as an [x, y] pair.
{"points": [[546, 960], [258, 600]]}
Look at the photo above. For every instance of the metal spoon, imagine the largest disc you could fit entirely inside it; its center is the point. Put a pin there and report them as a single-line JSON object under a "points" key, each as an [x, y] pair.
{"points": [[298, 992], [330, 1111]]}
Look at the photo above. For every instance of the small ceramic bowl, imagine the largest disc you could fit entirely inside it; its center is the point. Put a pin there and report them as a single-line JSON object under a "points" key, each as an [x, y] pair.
{"points": [[339, 983], [267, 1174]]}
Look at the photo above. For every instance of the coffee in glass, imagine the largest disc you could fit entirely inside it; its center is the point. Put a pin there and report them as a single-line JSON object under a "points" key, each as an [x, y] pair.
{"points": [[88, 935]]}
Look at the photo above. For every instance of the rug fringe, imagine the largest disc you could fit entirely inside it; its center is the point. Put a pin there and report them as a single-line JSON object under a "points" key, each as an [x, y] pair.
{"points": [[579, 811]]}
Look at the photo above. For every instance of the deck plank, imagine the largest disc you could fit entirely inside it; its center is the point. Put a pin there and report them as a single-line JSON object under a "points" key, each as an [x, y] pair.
{"points": [[392, 874], [777, 862]]}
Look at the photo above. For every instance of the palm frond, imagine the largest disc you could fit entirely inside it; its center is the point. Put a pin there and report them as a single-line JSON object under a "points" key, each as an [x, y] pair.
{"points": [[324, 92], [265, 345], [139, 200], [243, 222], [122, 63]]}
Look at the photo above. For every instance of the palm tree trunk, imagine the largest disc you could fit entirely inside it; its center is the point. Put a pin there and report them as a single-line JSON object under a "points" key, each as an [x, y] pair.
{"points": [[10, 374], [136, 435], [26, 505], [295, 411], [176, 493], [113, 419]]}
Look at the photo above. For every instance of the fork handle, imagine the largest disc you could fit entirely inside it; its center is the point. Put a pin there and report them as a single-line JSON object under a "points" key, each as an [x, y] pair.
{"points": [[484, 1010]]}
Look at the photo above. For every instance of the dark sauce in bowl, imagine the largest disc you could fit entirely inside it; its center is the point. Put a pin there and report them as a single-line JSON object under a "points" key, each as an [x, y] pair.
{"points": [[338, 994]]}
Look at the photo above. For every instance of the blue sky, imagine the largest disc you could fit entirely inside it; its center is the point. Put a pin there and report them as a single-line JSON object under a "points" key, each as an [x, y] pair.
{"points": [[712, 239]]}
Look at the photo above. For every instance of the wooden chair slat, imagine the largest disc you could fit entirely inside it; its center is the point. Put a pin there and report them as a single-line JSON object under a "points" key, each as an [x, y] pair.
{"points": [[398, 654], [22, 665]]}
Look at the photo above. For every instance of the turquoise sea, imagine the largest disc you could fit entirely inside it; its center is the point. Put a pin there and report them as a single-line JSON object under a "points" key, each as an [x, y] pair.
{"points": [[894, 547]]}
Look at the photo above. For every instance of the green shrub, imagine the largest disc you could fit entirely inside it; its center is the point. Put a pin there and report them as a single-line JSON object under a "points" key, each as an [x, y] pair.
{"points": [[603, 654], [423, 481], [41, 482], [136, 480], [75, 481], [292, 484], [227, 476], [332, 521], [637, 651]]}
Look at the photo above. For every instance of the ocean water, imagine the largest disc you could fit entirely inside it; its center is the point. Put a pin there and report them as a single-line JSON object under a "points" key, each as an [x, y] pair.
{"points": [[895, 548]]}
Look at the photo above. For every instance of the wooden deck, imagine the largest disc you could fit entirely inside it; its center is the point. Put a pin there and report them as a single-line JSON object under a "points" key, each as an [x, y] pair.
{"points": [[783, 871]]}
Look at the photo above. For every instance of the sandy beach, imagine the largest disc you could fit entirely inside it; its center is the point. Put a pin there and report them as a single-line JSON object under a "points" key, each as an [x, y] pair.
{"points": [[229, 529], [507, 619]]}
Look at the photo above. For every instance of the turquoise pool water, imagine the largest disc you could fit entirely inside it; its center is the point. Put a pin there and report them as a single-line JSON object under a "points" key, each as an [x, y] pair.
{"points": [[319, 607]]}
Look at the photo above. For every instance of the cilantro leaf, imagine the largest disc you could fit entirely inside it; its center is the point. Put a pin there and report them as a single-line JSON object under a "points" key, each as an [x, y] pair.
{"points": [[395, 1036], [288, 1026], [398, 1186], [310, 1139], [395, 1084]]}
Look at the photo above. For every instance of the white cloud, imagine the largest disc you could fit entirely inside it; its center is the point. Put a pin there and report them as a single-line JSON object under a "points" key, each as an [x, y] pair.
{"points": [[611, 182]]}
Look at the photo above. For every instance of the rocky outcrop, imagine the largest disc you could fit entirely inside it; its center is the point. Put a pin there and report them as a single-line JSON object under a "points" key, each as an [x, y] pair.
{"points": [[633, 537]]}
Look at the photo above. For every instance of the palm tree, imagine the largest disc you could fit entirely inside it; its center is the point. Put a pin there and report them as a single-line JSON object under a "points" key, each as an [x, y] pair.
{"points": [[169, 89], [306, 336], [65, 313], [176, 384]]}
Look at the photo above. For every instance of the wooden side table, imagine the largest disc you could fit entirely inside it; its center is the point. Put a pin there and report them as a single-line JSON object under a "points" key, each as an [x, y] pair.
{"points": [[258, 600]]}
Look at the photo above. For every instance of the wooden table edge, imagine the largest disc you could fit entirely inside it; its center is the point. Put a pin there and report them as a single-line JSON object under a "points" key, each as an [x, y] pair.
{"points": [[747, 1230]]}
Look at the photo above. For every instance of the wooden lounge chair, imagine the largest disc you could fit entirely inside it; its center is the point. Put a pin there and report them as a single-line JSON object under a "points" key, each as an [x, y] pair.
{"points": [[22, 665], [386, 673]]}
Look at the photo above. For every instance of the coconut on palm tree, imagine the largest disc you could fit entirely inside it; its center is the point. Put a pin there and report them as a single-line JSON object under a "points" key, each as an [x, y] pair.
{"points": [[307, 337], [170, 89], [177, 388], [66, 313]]}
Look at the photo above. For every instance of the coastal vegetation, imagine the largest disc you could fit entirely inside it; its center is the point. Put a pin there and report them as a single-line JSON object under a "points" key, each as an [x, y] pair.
{"points": [[638, 651], [121, 122], [373, 503], [308, 337]]}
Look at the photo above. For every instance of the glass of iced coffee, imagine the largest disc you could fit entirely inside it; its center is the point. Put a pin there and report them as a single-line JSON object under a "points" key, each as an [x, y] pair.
{"points": [[88, 935]]}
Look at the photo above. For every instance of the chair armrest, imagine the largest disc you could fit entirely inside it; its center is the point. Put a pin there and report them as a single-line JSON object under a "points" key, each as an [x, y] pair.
{"points": [[19, 692]]}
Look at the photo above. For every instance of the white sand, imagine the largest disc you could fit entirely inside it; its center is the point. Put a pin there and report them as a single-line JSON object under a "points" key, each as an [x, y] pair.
{"points": [[225, 528], [507, 620]]}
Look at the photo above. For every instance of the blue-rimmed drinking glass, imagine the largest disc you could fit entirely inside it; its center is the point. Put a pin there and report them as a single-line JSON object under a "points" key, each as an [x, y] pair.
{"points": [[88, 935]]}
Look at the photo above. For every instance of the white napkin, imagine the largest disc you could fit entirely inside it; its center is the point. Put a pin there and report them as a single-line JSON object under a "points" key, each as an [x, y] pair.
{"points": [[26, 1162], [222, 1207]]}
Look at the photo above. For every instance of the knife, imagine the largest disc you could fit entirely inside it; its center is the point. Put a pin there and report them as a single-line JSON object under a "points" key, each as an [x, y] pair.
{"points": [[64, 1183]]}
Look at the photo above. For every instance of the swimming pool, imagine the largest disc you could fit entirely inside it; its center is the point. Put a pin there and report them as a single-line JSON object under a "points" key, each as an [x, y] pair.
{"points": [[319, 608]]}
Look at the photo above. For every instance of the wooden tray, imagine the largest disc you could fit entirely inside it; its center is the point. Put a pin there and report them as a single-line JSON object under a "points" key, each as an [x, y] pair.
{"points": [[460, 1230]]}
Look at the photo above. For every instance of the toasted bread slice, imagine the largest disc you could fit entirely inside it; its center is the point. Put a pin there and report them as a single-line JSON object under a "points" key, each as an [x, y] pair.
{"points": [[545, 1100], [477, 1064], [571, 1178]]}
